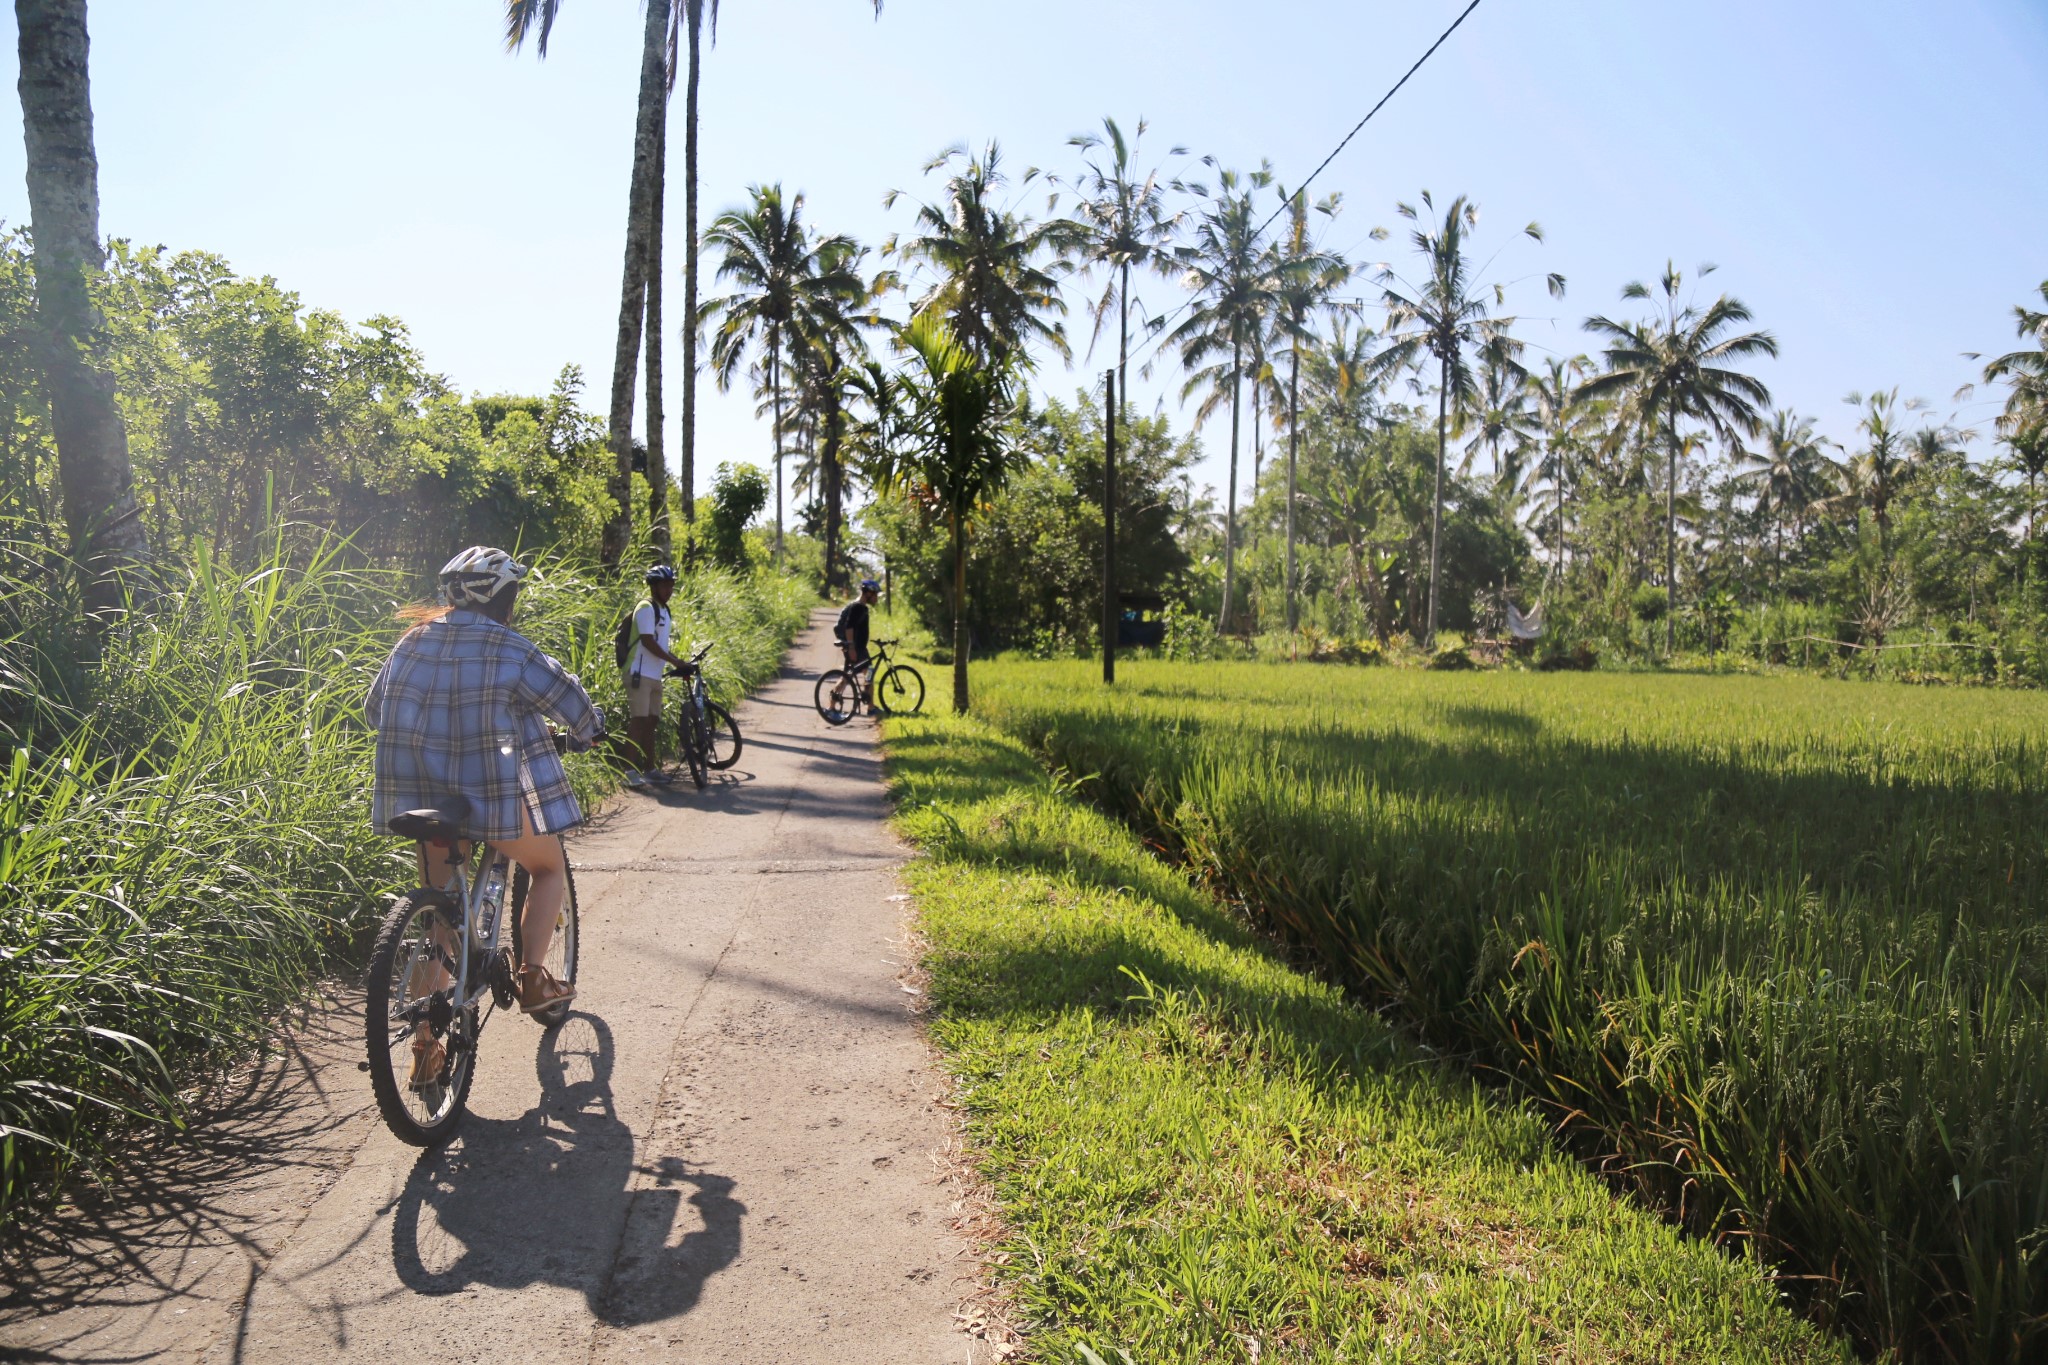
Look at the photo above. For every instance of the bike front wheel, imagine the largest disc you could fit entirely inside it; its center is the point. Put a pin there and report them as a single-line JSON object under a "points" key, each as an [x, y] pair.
{"points": [[562, 944], [725, 737], [410, 996], [900, 691], [837, 697]]}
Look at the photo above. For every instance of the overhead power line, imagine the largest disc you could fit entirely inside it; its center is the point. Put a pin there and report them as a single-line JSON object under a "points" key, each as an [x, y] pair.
{"points": [[1303, 188], [1325, 164]]}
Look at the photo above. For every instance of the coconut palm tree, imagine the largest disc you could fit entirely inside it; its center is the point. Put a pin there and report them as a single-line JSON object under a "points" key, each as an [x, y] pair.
{"points": [[1788, 475], [955, 402], [1445, 317], [1671, 368], [1120, 223], [1556, 415], [536, 18], [100, 510], [1500, 416], [669, 24], [986, 278], [784, 286], [1306, 288], [1232, 281], [2026, 372], [2027, 455]]}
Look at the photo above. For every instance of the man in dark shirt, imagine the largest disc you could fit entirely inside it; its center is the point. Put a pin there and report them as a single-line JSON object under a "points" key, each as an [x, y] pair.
{"points": [[852, 633]]}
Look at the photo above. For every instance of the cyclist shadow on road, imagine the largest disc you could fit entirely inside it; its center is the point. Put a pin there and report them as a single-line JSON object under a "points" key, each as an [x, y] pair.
{"points": [[549, 1198]]}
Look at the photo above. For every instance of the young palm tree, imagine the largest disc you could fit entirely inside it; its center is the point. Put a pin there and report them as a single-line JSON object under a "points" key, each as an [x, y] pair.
{"points": [[784, 286], [1789, 475], [1874, 477], [1671, 368], [2027, 455], [100, 511], [1232, 281], [987, 282], [1444, 318], [955, 403], [1306, 288]]}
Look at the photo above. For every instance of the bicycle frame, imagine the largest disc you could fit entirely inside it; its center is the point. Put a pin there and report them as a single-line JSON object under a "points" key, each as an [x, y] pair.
{"points": [[467, 891]]}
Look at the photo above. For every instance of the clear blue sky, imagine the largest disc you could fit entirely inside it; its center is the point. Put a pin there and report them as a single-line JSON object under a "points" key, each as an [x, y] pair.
{"points": [[1868, 176]]}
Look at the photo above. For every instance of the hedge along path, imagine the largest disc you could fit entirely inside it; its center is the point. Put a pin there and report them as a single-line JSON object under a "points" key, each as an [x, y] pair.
{"points": [[730, 1151], [1204, 1155]]}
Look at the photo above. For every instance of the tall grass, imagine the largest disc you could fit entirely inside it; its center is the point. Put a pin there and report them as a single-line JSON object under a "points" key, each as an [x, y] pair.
{"points": [[184, 826], [1773, 948]]}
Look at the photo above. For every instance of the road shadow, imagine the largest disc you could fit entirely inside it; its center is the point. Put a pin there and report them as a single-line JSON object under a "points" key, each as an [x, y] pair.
{"points": [[549, 1198], [140, 1238]]}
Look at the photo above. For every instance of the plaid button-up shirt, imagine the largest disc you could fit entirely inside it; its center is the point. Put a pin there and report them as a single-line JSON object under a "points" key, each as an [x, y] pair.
{"points": [[460, 709]]}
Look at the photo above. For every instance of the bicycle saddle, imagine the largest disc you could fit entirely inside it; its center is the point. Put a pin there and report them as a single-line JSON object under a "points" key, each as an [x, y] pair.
{"points": [[447, 821]]}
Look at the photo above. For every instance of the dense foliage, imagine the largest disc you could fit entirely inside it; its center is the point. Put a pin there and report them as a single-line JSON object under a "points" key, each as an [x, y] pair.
{"points": [[1772, 950]]}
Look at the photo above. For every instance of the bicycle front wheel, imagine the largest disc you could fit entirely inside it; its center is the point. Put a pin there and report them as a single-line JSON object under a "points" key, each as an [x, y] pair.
{"points": [[562, 944], [837, 697], [411, 998], [696, 740], [725, 736], [901, 691]]}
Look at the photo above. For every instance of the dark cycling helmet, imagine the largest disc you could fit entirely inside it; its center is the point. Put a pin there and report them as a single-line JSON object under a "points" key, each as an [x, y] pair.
{"points": [[478, 575], [870, 585], [661, 573]]}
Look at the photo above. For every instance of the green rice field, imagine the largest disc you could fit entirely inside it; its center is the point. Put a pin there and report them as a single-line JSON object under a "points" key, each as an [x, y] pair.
{"points": [[1770, 952]]}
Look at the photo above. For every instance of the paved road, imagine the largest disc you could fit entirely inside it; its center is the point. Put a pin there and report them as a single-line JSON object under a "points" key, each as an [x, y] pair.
{"points": [[729, 1153]]}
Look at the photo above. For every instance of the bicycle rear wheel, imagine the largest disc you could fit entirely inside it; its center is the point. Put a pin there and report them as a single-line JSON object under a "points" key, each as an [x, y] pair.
{"points": [[562, 946], [411, 994], [837, 696], [900, 691], [725, 736]]}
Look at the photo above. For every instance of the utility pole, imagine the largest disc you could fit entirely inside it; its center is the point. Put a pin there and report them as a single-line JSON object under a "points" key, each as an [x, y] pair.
{"points": [[1110, 615]]}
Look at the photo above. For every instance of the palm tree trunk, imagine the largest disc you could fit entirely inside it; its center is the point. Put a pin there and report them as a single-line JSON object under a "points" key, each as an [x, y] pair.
{"points": [[687, 476], [831, 475], [633, 288], [1293, 444], [1671, 536], [1251, 530], [959, 617], [1230, 515], [775, 405], [100, 510], [1557, 575], [1436, 511], [657, 457]]}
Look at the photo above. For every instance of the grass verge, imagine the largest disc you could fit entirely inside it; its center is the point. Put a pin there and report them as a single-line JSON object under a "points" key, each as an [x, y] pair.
{"points": [[1203, 1155]]}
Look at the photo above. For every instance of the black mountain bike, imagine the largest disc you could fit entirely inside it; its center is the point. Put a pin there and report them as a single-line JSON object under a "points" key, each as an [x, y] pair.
{"points": [[705, 731], [895, 688]]}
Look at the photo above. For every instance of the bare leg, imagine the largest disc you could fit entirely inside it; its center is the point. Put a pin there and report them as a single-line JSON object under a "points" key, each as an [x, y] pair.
{"points": [[547, 872]]}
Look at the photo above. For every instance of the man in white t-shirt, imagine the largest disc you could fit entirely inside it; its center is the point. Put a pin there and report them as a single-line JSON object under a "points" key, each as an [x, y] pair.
{"points": [[646, 664]]}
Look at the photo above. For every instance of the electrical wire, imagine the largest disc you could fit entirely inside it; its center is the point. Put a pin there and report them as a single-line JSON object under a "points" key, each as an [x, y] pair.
{"points": [[1303, 187], [1159, 331]]}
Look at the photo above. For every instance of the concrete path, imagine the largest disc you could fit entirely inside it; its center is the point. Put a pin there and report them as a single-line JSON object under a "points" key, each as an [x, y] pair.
{"points": [[729, 1153]]}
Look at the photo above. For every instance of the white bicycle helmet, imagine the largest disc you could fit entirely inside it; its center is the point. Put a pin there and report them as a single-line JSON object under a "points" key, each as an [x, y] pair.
{"points": [[477, 575]]}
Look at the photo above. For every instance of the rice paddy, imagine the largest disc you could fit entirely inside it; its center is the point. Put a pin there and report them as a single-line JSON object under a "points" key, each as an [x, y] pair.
{"points": [[1770, 952]]}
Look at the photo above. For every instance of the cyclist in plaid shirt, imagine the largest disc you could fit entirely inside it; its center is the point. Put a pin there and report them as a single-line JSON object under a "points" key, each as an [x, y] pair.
{"points": [[460, 709]]}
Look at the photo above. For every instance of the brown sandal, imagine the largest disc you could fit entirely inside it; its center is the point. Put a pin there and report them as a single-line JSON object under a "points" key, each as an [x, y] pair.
{"points": [[539, 990], [429, 1061]]}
